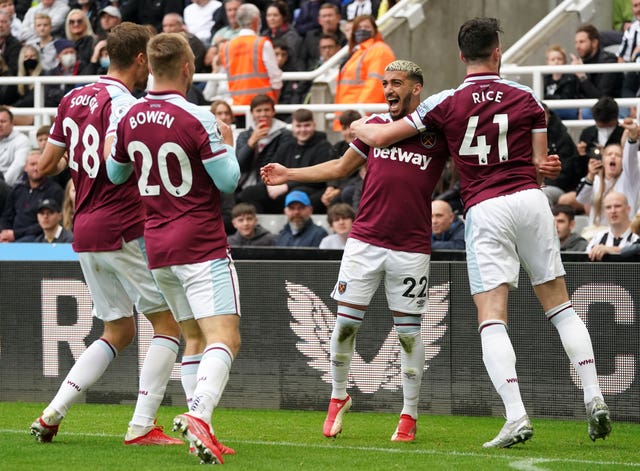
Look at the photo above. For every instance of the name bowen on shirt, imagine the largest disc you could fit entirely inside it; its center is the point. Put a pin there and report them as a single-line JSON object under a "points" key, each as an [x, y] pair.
{"points": [[151, 117]]}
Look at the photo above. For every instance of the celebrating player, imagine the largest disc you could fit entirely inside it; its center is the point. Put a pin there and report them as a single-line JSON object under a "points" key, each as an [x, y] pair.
{"points": [[107, 234], [182, 159], [390, 238], [495, 129]]}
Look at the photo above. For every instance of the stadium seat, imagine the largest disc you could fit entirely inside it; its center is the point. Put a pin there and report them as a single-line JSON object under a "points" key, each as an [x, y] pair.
{"points": [[582, 221], [274, 222]]}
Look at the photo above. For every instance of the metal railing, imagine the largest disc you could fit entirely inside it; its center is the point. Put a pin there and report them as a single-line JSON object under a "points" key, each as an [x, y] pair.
{"points": [[405, 11], [533, 73]]}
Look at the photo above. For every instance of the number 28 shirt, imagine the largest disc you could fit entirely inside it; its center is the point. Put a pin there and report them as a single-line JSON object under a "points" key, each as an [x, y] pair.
{"points": [[488, 123], [105, 214]]}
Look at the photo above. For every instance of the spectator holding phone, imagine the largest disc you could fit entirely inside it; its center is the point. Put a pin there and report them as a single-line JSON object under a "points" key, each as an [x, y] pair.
{"points": [[592, 141], [260, 143], [615, 171]]}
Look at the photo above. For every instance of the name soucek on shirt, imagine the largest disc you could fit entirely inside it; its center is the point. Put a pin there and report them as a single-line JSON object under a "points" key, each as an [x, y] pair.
{"points": [[105, 213]]}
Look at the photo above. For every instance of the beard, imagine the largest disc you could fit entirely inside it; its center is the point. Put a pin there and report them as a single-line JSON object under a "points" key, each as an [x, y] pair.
{"points": [[297, 224], [587, 53], [403, 108]]}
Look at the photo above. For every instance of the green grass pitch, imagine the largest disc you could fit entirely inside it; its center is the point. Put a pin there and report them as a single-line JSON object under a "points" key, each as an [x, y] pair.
{"points": [[90, 438]]}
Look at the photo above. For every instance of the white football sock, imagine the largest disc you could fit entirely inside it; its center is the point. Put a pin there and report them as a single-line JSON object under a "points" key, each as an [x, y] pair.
{"points": [[189, 375], [154, 376], [343, 343], [213, 374], [577, 343], [500, 361], [411, 360], [85, 372]]}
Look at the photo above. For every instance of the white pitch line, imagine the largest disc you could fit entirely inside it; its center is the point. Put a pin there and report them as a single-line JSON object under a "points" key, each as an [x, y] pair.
{"points": [[404, 450]]}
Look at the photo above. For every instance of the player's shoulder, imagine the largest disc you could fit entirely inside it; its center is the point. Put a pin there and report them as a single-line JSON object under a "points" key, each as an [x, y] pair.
{"points": [[378, 118], [435, 100], [76, 92], [201, 114], [516, 85], [184, 108]]}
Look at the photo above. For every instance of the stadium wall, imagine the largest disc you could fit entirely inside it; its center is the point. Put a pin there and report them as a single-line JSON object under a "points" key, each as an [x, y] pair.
{"points": [[287, 316]]}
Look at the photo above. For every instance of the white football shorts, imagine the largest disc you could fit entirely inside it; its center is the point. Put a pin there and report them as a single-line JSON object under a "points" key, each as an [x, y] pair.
{"points": [[503, 232], [406, 277], [199, 290], [120, 279]]}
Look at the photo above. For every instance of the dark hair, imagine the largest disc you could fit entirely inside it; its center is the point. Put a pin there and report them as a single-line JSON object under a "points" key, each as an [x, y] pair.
{"points": [[124, 42], [340, 210], [6, 109], [281, 44], [44, 129], [283, 9], [477, 38], [347, 117], [302, 115], [605, 110], [564, 209], [329, 36], [592, 31], [242, 209], [259, 100]]}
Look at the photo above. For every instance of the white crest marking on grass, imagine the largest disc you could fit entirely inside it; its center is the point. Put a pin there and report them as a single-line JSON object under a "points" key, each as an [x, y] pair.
{"points": [[529, 464]]}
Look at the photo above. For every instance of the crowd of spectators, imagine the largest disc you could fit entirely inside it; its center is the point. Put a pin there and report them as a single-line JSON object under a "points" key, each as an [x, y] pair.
{"points": [[254, 43]]}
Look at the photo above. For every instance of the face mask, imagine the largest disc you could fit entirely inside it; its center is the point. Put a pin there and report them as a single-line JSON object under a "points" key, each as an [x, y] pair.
{"points": [[68, 60], [362, 35], [30, 64], [104, 62]]}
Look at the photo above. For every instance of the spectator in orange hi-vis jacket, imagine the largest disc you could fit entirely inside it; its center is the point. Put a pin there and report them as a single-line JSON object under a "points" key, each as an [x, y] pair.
{"points": [[359, 78], [249, 60]]}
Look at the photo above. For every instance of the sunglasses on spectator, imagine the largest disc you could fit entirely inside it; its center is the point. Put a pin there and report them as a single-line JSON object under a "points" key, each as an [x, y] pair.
{"points": [[76, 22]]}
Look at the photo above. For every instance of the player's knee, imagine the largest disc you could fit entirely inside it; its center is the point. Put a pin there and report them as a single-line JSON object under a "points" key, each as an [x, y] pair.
{"points": [[120, 333], [234, 344], [164, 323], [408, 336], [120, 339], [347, 326], [194, 343]]}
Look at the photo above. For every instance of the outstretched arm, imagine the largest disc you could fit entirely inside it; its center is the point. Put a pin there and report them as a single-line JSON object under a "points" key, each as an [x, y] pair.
{"points": [[276, 174], [382, 135]]}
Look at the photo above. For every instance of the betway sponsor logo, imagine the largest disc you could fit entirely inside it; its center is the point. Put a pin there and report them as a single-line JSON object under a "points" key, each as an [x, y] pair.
{"points": [[396, 153]]}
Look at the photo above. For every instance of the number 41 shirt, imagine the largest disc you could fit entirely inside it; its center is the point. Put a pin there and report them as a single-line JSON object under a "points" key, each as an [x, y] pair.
{"points": [[488, 124]]}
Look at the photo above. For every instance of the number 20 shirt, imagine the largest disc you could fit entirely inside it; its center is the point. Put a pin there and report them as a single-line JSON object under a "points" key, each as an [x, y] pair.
{"points": [[169, 140]]}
